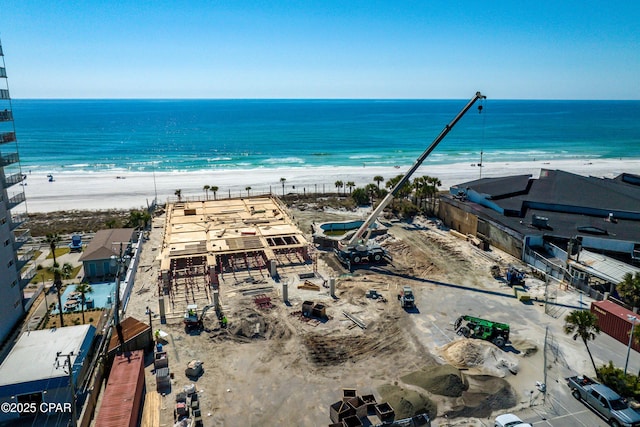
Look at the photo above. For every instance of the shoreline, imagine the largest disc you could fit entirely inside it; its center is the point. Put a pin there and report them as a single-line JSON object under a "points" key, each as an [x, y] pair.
{"points": [[127, 190]]}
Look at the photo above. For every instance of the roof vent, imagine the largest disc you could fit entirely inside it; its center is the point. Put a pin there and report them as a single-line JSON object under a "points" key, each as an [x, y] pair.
{"points": [[540, 221]]}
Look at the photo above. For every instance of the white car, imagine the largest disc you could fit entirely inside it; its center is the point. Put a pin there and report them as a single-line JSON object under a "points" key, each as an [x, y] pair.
{"points": [[510, 420]]}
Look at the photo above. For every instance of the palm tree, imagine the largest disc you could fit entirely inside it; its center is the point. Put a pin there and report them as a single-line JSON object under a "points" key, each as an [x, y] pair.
{"points": [[629, 289], [339, 184], [248, 189], [60, 273], [138, 218], [53, 239], [178, 194], [206, 191], [583, 324], [378, 179], [83, 289], [432, 189], [402, 192], [282, 180], [350, 184], [214, 190]]}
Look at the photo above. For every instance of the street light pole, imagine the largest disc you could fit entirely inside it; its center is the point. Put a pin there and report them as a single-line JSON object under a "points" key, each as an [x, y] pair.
{"points": [[633, 323]]}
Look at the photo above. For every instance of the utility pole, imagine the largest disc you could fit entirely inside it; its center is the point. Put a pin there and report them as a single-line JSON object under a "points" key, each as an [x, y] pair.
{"points": [[117, 261], [68, 365]]}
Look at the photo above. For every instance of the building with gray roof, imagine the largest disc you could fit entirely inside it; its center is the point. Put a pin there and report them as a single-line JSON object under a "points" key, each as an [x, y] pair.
{"points": [[548, 221], [112, 242]]}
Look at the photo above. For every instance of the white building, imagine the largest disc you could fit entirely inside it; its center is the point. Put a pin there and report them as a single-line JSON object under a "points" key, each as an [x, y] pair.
{"points": [[12, 217], [36, 370]]}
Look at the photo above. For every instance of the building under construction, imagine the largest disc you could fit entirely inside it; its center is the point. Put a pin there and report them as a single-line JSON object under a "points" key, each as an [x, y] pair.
{"points": [[209, 243]]}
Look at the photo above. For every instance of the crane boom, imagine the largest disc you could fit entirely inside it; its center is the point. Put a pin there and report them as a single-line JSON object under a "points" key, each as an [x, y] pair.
{"points": [[357, 237]]}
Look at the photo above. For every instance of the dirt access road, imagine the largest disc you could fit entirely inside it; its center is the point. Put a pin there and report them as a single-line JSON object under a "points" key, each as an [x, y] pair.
{"points": [[271, 367]]}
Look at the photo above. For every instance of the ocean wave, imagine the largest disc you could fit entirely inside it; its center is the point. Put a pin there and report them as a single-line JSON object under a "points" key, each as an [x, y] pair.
{"points": [[219, 159], [279, 160], [364, 156]]}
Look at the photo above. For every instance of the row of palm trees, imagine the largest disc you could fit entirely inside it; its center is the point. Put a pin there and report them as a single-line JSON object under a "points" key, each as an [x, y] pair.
{"points": [[338, 184]]}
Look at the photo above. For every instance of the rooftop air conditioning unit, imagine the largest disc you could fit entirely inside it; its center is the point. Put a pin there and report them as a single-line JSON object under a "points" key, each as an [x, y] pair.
{"points": [[540, 221]]}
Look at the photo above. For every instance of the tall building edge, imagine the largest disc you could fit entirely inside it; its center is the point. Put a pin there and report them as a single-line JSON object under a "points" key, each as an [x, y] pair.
{"points": [[15, 268]]}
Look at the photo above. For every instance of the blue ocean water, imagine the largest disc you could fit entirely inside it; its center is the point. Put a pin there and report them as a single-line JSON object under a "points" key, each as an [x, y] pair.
{"points": [[190, 135]]}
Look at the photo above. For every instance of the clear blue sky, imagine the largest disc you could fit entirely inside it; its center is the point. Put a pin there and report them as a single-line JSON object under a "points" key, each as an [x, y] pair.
{"points": [[556, 49]]}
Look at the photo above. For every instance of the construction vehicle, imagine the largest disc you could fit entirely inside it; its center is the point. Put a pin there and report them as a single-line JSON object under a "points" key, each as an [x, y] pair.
{"points": [[475, 327], [358, 248], [191, 317], [406, 298]]}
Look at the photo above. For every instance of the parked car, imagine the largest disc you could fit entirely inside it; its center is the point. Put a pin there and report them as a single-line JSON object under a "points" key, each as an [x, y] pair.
{"points": [[510, 420]]}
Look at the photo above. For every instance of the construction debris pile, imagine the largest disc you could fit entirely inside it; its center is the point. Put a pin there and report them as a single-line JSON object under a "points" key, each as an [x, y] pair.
{"points": [[479, 357]]}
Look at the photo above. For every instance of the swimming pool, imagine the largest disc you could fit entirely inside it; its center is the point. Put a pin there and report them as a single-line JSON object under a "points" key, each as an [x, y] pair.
{"points": [[102, 296]]}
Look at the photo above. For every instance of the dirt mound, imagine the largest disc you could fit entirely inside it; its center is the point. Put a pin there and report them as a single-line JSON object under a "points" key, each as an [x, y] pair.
{"points": [[329, 350], [249, 325], [444, 380], [480, 357], [407, 403], [524, 347], [486, 394]]}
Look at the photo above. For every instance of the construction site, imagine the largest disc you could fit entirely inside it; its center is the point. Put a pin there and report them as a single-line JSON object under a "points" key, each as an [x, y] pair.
{"points": [[212, 244], [302, 335], [260, 323]]}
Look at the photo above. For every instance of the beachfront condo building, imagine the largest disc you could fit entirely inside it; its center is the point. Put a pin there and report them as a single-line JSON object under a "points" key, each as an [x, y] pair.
{"points": [[14, 275]]}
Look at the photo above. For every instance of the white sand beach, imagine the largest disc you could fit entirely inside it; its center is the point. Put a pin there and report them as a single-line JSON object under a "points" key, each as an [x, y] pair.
{"points": [[124, 190]]}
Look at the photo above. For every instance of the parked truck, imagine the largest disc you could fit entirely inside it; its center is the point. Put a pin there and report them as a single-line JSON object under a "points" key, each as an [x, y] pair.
{"points": [[604, 401]]}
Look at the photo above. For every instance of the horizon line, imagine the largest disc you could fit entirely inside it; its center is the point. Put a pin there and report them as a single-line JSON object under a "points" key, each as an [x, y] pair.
{"points": [[308, 99]]}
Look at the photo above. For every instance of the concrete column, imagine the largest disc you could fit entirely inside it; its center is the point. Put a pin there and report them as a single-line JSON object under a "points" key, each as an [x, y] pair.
{"points": [[273, 269], [332, 286], [161, 309], [285, 292], [216, 300]]}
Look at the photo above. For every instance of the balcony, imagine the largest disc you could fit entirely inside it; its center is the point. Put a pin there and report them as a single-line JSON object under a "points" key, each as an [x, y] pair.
{"points": [[18, 220], [8, 159], [20, 238], [6, 116], [4, 94], [24, 258], [15, 200], [27, 275], [13, 179], [7, 136]]}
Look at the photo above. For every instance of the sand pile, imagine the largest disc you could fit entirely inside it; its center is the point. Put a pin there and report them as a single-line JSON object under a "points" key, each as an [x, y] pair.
{"points": [[407, 403], [486, 394], [479, 357], [444, 380]]}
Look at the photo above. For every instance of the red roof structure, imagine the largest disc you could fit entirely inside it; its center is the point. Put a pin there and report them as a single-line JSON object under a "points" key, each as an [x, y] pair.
{"points": [[123, 396]]}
